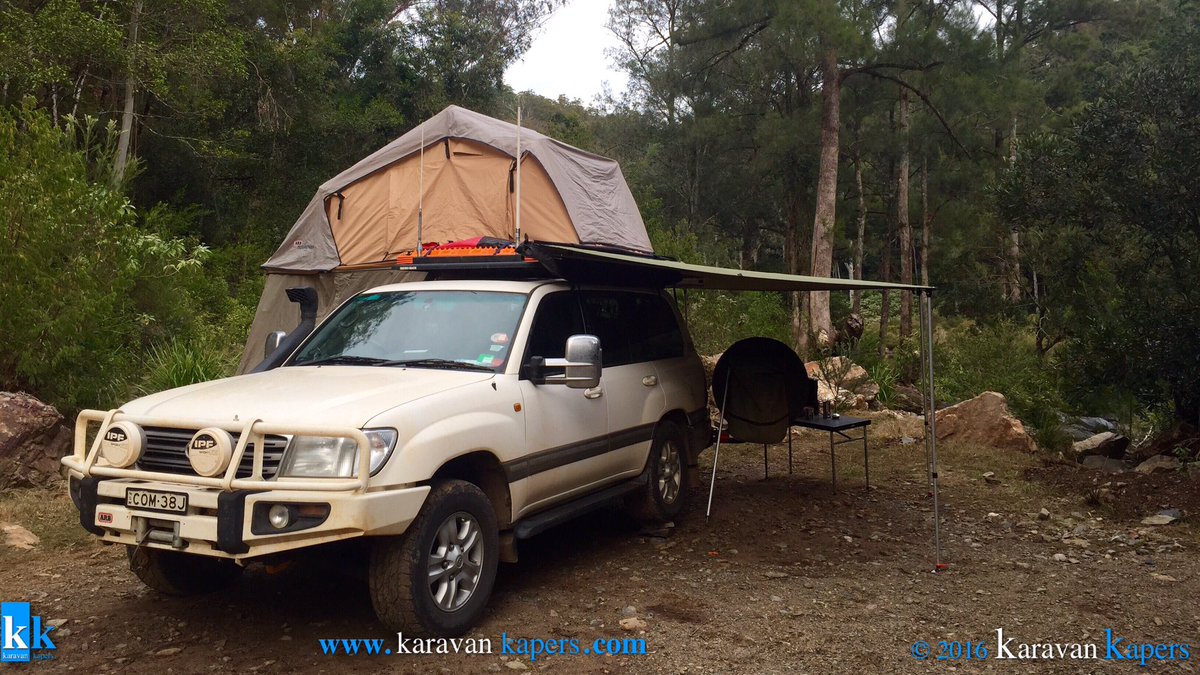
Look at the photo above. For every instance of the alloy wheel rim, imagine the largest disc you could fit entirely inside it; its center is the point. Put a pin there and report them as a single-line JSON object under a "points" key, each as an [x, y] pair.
{"points": [[669, 474], [455, 562]]}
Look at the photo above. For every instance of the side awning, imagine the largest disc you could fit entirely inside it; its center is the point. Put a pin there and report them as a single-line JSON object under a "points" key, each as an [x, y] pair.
{"points": [[603, 267]]}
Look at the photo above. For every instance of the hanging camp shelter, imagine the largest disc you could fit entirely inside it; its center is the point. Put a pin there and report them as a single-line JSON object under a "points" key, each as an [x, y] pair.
{"points": [[451, 178]]}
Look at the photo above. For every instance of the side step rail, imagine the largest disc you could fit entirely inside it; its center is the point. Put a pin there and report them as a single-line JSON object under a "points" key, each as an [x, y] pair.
{"points": [[540, 522]]}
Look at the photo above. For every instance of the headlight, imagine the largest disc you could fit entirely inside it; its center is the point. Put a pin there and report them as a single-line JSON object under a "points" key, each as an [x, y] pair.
{"points": [[334, 457]]}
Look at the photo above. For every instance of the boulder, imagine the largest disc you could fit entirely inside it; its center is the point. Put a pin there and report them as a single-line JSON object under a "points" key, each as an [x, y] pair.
{"points": [[851, 382], [984, 420], [1108, 444], [1083, 428], [906, 398], [1159, 463], [32, 441], [1102, 463]]}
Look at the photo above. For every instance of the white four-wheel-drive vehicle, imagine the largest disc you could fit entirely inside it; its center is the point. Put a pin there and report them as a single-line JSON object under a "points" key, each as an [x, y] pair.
{"points": [[443, 420]]}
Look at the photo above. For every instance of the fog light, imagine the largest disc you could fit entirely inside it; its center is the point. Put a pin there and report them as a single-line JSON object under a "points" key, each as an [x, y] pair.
{"points": [[279, 516]]}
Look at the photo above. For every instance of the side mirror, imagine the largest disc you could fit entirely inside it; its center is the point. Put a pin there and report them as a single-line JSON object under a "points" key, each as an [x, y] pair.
{"points": [[582, 363], [274, 339]]}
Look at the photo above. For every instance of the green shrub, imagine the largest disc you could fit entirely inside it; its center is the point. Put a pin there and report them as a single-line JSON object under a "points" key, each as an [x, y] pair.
{"points": [[83, 285], [717, 319], [972, 358], [178, 363]]}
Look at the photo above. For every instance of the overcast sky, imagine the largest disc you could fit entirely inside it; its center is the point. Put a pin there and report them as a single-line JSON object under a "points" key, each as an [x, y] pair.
{"points": [[567, 56]]}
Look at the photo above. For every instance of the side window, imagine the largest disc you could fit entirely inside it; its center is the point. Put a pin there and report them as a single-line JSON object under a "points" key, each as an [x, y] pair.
{"points": [[654, 331], [632, 327], [606, 315], [557, 319]]}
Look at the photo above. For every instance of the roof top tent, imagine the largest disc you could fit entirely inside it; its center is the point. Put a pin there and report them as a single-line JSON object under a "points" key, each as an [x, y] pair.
{"points": [[451, 178], [454, 178]]}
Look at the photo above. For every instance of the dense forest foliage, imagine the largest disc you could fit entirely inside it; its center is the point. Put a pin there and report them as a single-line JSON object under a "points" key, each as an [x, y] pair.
{"points": [[1035, 160]]}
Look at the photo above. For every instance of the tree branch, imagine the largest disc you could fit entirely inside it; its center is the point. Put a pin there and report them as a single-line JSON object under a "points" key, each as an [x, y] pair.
{"points": [[924, 99]]}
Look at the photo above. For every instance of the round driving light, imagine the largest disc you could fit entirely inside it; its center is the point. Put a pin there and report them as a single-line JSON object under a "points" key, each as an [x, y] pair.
{"points": [[210, 451], [279, 516], [122, 443]]}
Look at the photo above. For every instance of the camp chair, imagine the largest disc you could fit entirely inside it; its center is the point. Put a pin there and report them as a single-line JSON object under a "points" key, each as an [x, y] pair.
{"points": [[759, 386]]}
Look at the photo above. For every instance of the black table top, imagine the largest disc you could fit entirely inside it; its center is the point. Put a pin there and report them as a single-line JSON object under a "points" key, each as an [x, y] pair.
{"points": [[830, 424]]}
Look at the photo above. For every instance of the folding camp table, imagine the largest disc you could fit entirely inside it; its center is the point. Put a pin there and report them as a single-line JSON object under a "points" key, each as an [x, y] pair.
{"points": [[839, 426]]}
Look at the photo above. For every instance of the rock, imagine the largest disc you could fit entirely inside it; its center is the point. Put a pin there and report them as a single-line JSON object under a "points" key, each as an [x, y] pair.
{"points": [[850, 381], [19, 537], [989, 477], [1082, 428], [1044, 514], [632, 623], [1060, 557], [906, 398], [169, 651], [516, 665], [32, 440], [984, 420], [1159, 519], [1159, 463], [852, 328], [1162, 577], [1107, 444], [629, 611], [907, 440], [1106, 464]]}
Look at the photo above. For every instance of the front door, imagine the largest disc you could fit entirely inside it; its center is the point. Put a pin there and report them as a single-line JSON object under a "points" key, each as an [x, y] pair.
{"points": [[566, 429]]}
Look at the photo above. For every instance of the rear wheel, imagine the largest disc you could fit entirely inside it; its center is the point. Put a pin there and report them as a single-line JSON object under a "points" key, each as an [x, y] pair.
{"points": [[665, 494], [436, 578], [176, 573]]}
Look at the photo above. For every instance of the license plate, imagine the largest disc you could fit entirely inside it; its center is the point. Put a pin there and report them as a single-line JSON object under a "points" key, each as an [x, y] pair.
{"points": [[155, 500]]}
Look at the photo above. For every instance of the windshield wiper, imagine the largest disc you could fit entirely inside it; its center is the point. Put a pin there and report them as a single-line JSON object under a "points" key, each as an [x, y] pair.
{"points": [[438, 363], [344, 360]]}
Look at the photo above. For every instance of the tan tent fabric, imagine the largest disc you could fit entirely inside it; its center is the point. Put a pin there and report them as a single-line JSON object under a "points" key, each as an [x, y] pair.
{"points": [[275, 312], [465, 196], [468, 193]]}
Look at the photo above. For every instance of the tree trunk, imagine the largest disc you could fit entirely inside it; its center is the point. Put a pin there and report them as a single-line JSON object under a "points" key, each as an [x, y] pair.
{"points": [[885, 305], [820, 322], [122, 159], [1014, 238], [903, 225], [860, 235], [926, 221]]}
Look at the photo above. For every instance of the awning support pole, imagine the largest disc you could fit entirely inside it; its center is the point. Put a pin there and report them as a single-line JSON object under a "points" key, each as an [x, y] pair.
{"points": [[931, 424], [717, 451]]}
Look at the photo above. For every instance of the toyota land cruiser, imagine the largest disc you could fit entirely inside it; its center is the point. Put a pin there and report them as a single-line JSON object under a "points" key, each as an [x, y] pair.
{"points": [[444, 420]]}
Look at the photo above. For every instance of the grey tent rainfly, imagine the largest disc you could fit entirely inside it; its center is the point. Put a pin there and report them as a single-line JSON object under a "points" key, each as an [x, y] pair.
{"points": [[457, 176]]}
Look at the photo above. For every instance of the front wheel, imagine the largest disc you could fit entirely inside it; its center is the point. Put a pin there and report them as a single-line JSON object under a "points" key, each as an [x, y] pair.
{"points": [[665, 494], [436, 578]]}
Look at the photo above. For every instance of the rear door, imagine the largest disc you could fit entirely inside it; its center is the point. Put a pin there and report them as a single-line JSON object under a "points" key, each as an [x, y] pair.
{"points": [[630, 329]]}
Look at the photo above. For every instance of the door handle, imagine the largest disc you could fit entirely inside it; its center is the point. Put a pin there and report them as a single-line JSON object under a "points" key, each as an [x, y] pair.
{"points": [[650, 380], [594, 392]]}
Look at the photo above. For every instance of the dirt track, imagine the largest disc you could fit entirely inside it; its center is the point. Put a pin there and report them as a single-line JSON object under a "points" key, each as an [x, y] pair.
{"points": [[786, 577]]}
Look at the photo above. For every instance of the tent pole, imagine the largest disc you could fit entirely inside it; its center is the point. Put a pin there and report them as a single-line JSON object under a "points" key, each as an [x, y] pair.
{"points": [[421, 192], [517, 218], [924, 379], [931, 428]]}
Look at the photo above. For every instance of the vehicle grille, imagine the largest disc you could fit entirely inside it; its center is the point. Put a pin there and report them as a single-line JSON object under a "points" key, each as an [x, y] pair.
{"points": [[166, 451]]}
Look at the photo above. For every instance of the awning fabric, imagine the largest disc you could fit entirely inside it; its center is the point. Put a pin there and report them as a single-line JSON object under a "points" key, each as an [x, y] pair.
{"points": [[609, 267]]}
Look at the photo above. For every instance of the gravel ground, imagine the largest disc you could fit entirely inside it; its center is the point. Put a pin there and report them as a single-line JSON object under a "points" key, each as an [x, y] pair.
{"points": [[787, 576]]}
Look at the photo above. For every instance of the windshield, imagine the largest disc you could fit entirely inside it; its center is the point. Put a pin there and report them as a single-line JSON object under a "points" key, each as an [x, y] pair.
{"points": [[430, 329]]}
